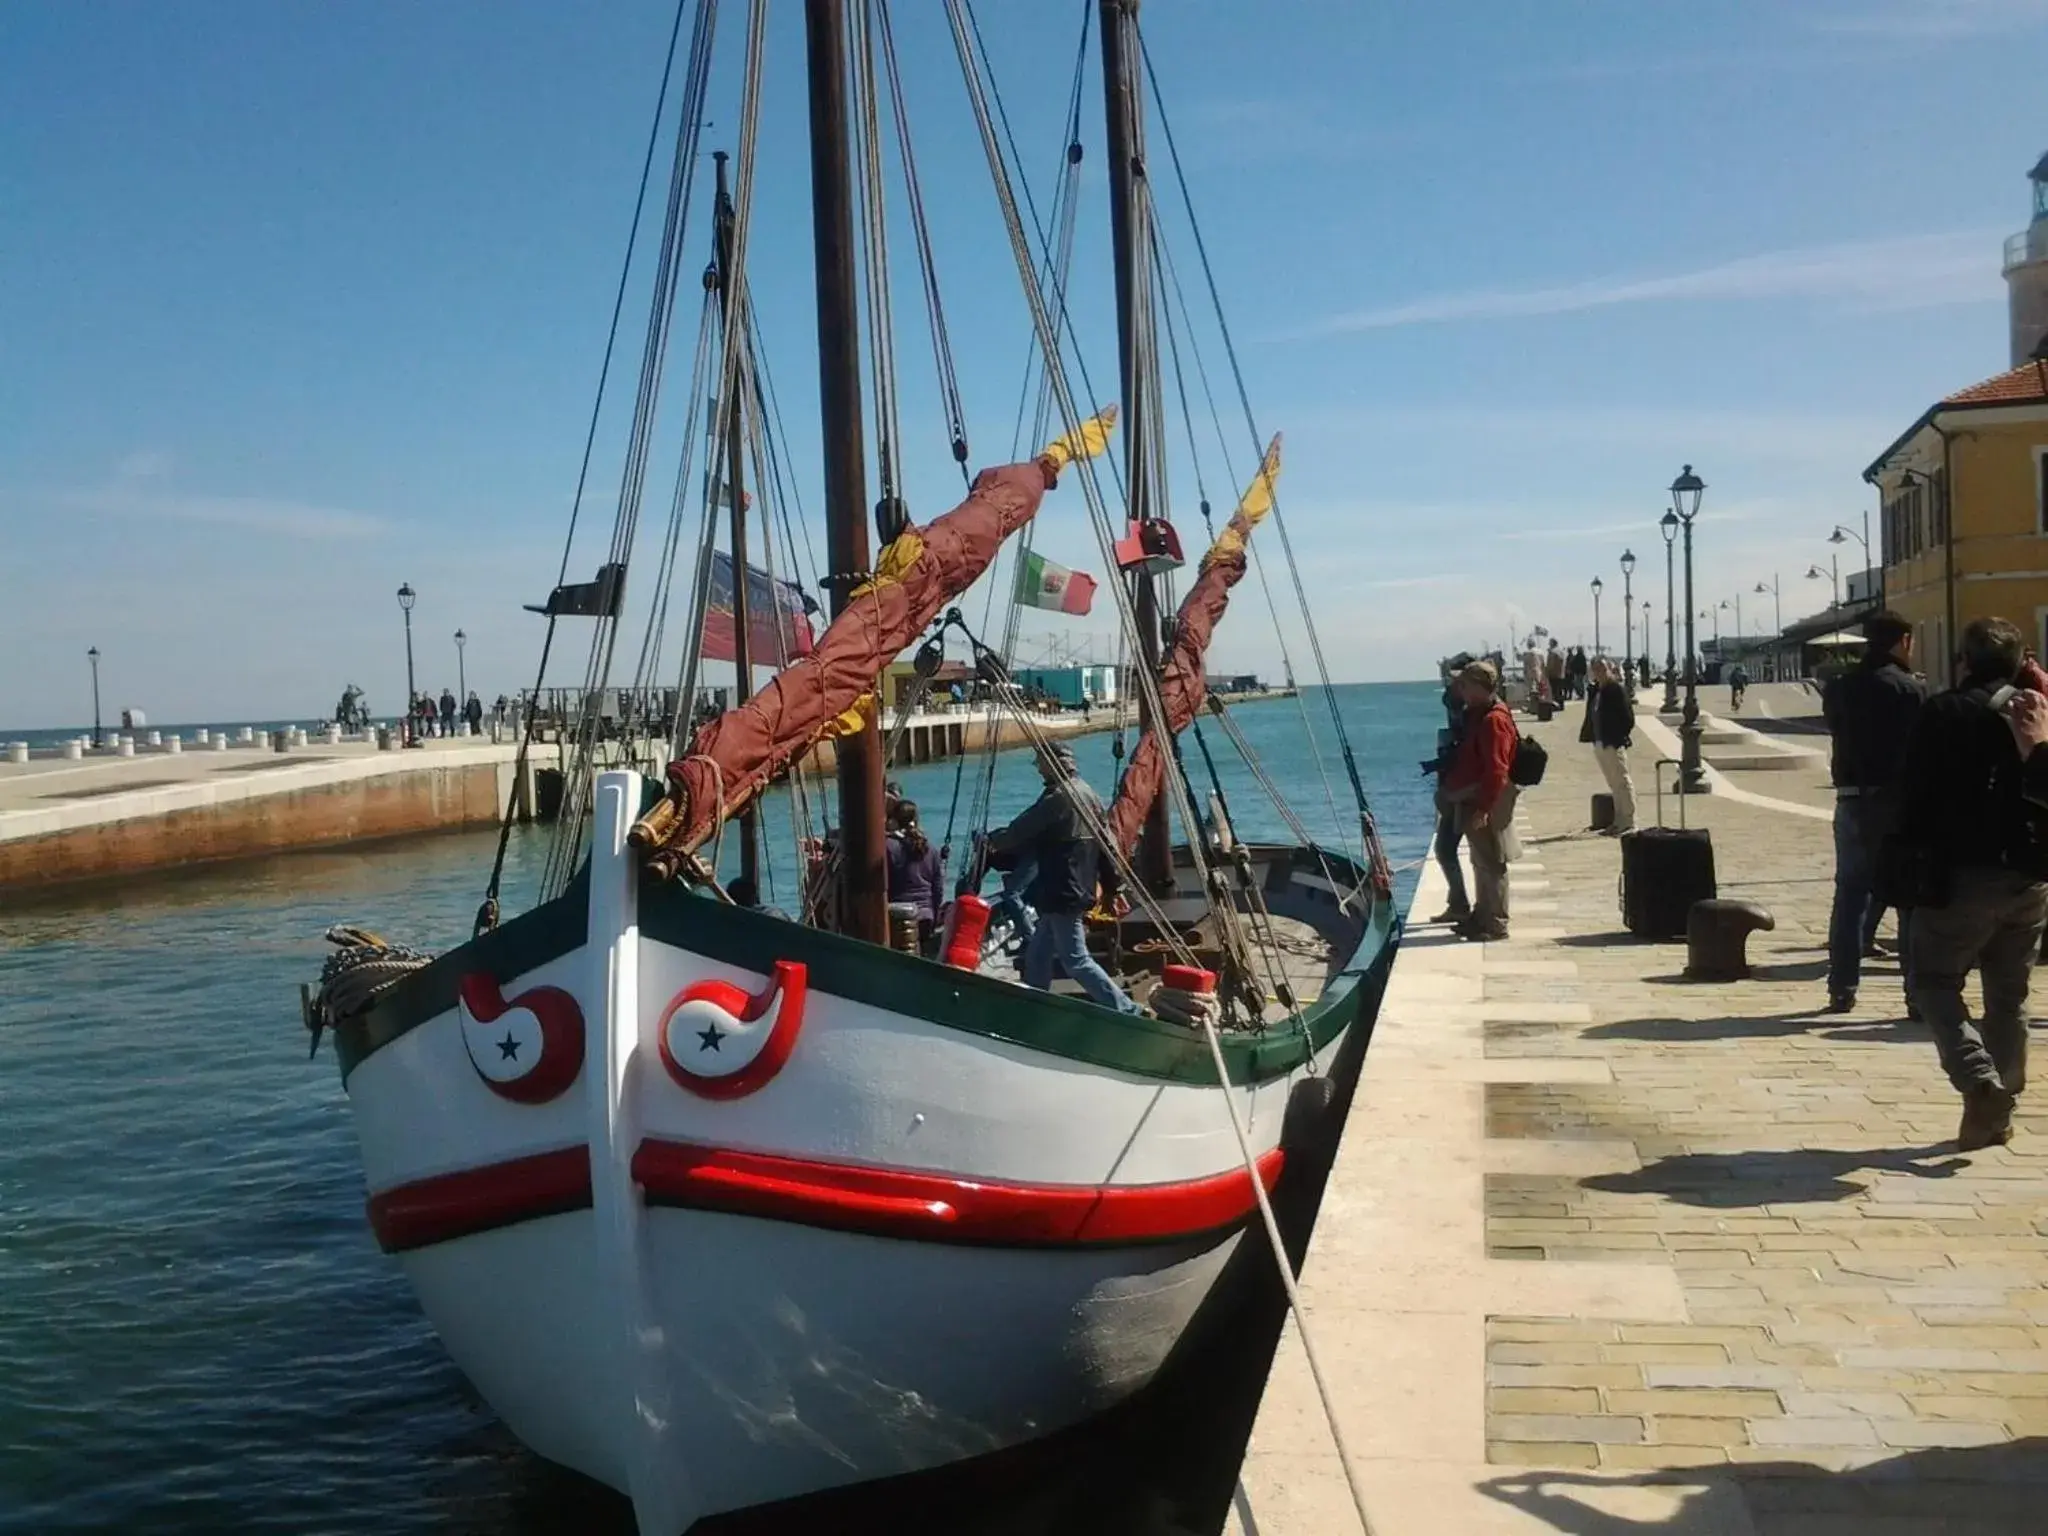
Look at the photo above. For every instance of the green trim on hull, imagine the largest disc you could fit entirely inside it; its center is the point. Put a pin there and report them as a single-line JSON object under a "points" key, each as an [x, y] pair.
{"points": [[1070, 1028]]}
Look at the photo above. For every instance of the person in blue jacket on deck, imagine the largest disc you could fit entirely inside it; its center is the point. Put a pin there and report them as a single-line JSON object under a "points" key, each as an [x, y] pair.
{"points": [[1057, 830]]}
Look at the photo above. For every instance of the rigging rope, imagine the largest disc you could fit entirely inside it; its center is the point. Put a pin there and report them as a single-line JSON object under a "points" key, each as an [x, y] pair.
{"points": [[579, 778], [707, 13], [1251, 422]]}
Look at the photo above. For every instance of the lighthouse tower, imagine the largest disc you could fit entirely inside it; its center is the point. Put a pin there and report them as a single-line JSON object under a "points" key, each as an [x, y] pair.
{"points": [[2026, 274]]}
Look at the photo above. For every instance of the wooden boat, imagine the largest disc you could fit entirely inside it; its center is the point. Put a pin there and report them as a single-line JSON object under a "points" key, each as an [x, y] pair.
{"points": [[721, 1208]]}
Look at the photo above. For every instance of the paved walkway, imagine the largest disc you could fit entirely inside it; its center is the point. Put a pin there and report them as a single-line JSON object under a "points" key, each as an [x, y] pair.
{"points": [[1606, 1251]]}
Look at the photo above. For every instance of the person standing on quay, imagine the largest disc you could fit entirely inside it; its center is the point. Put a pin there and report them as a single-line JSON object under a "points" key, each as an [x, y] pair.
{"points": [[1870, 712], [1479, 786], [1971, 860], [1448, 834], [1553, 672], [1614, 725], [1575, 672]]}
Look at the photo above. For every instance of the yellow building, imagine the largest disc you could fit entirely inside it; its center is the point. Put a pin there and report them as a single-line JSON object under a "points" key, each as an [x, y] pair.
{"points": [[1965, 527]]}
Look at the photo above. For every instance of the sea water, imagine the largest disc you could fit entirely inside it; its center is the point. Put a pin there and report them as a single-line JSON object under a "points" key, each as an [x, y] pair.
{"points": [[197, 1332]]}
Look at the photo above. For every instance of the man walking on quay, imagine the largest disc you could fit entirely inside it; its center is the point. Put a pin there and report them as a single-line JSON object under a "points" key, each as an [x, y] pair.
{"points": [[1972, 863], [1553, 672], [1614, 725], [1479, 786], [1870, 711]]}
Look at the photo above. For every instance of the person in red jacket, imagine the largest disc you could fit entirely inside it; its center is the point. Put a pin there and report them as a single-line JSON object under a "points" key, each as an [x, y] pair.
{"points": [[1478, 785]]}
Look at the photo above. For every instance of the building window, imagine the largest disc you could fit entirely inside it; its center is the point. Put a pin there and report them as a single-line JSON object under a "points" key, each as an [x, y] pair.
{"points": [[1938, 496], [2041, 491]]}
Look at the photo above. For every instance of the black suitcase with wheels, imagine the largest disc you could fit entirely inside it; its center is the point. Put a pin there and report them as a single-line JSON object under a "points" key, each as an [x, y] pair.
{"points": [[1664, 870]]}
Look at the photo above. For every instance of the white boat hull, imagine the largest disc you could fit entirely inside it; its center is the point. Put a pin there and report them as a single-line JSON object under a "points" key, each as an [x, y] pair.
{"points": [[834, 1243]]}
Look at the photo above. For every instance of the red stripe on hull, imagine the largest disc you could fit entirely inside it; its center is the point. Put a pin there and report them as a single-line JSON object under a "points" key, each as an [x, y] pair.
{"points": [[940, 1208], [452, 1205], [883, 1202]]}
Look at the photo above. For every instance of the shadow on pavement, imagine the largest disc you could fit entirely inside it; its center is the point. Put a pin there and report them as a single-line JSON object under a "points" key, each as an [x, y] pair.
{"points": [[1993, 1490], [1728, 1180]]}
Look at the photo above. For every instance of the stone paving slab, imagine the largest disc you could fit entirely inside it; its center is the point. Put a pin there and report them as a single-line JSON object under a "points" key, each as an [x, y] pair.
{"points": [[1609, 1251]]}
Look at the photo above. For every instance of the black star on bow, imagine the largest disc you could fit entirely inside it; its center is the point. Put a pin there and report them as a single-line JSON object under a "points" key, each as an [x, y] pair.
{"points": [[508, 1048], [708, 1037]]}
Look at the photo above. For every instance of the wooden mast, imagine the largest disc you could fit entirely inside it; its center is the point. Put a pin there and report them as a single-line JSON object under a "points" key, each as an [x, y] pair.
{"points": [[1123, 106], [736, 498], [863, 910]]}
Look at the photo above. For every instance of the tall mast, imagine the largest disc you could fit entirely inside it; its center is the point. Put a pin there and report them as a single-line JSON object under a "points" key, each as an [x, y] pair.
{"points": [[1124, 108], [736, 496], [862, 904]]}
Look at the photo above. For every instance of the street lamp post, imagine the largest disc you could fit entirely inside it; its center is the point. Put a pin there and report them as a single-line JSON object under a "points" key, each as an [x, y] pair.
{"points": [[1843, 535], [1777, 620], [93, 656], [1628, 611], [1686, 491], [1646, 643], [1668, 523], [1833, 575], [461, 677], [406, 598], [1596, 615]]}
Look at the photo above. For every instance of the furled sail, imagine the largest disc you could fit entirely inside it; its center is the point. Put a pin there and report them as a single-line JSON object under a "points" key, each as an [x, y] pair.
{"points": [[1180, 679], [830, 692]]}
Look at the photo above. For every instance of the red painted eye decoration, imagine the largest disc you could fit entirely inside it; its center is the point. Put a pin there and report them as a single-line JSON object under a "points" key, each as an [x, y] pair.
{"points": [[717, 1042], [527, 1048]]}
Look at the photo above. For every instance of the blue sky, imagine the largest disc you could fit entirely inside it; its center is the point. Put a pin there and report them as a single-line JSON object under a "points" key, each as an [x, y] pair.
{"points": [[299, 302]]}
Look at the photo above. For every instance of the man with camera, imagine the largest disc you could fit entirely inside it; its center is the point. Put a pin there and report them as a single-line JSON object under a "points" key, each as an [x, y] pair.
{"points": [[1971, 859]]}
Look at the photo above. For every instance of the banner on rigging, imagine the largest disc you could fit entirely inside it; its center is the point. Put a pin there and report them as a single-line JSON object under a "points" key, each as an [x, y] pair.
{"points": [[1041, 584], [778, 617]]}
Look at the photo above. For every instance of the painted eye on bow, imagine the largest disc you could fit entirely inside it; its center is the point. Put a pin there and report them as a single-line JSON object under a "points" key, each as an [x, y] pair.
{"points": [[718, 1042], [527, 1048]]}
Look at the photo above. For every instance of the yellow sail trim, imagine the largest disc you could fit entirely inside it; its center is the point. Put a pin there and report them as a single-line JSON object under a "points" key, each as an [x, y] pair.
{"points": [[852, 722], [1084, 442], [1252, 508], [898, 556]]}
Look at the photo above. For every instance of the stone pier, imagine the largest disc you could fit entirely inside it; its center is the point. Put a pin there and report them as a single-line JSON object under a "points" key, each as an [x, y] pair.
{"points": [[1608, 1251]]}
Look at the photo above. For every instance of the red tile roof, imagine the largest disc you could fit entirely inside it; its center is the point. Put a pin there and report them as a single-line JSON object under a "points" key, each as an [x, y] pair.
{"points": [[2017, 386]]}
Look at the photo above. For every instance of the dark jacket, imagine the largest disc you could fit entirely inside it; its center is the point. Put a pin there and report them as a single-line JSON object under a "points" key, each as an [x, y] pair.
{"points": [[1966, 794], [1614, 718], [915, 877], [1871, 710], [1054, 831]]}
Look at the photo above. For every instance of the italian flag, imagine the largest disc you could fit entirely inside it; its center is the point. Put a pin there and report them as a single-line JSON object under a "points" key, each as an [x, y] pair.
{"points": [[1041, 584]]}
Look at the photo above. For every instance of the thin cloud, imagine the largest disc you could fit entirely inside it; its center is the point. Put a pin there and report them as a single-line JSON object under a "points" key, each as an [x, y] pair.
{"points": [[1389, 583], [254, 514], [1925, 20], [1546, 533], [1904, 272]]}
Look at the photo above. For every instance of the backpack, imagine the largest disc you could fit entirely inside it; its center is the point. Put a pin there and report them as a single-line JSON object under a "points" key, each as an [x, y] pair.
{"points": [[1525, 769]]}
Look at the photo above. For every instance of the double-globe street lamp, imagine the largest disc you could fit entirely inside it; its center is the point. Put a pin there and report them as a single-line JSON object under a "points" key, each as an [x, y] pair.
{"points": [[1628, 611], [1686, 492], [1668, 525], [461, 679], [406, 598], [1596, 615]]}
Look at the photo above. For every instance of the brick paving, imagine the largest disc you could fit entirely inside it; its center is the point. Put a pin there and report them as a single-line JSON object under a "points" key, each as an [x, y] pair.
{"points": [[1854, 1288], [1859, 1339]]}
